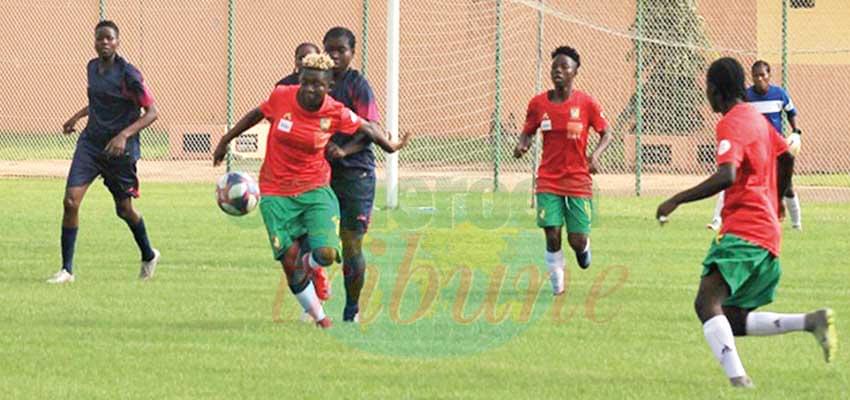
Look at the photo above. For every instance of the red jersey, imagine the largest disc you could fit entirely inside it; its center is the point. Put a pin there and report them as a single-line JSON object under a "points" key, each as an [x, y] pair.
{"points": [[295, 149], [564, 169], [751, 206]]}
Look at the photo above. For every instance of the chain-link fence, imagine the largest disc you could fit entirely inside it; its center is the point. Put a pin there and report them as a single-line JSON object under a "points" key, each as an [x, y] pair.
{"points": [[468, 69]]}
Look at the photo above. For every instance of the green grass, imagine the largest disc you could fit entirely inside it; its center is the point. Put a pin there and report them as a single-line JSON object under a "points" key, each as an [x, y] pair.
{"points": [[56, 146], [205, 328]]}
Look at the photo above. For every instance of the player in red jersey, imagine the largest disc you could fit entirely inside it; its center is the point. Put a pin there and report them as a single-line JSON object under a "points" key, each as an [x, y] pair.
{"points": [[564, 187], [295, 176], [741, 271]]}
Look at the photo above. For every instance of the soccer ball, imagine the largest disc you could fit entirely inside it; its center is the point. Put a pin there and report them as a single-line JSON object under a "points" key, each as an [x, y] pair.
{"points": [[237, 193]]}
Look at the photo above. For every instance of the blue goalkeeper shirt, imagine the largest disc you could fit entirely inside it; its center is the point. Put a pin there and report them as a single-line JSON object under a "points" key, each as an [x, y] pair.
{"points": [[772, 104]]}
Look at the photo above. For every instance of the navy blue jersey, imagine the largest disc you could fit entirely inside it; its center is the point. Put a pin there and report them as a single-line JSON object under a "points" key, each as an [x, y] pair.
{"points": [[115, 100], [291, 79], [772, 104], [354, 92]]}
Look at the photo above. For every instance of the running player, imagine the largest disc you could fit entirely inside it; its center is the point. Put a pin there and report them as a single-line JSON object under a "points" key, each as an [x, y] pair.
{"points": [[741, 271], [564, 187], [771, 101], [108, 147], [295, 175]]}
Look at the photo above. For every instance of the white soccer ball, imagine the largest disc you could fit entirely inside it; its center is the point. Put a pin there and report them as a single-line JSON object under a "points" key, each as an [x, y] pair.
{"points": [[237, 193]]}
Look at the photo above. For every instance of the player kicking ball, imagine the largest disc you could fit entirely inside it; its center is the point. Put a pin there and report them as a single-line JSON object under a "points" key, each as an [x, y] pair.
{"points": [[564, 190], [295, 176], [741, 271]]}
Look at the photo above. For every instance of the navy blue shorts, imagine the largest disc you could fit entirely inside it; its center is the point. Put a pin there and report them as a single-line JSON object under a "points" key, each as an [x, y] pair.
{"points": [[119, 173], [356, 193]]}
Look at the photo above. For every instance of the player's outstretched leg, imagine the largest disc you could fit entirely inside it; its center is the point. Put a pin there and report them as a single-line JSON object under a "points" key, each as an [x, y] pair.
{"points": [[70, 224], [354, 273], [717, 329], [821, 323], [716, 220], [298, 276], [150, 256], [555, 259]]}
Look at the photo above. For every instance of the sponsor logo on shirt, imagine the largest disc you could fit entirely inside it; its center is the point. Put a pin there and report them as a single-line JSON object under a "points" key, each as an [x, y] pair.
{"points": [[723, 147], [546, 123], [284, 125]]}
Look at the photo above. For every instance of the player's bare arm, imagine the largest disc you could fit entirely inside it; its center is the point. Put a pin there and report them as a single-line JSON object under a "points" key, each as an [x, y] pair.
{"points": [[522, 146], [374, 132], [116, 146], [604, 141], [722, 179], [247, 121], [68, 126]]}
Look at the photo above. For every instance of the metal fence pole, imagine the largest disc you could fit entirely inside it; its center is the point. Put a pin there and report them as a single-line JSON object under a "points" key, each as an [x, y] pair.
{"points": [[538, 86], [497, 113], [231, 9], [364, 48], [639, 97], [784, 52]]}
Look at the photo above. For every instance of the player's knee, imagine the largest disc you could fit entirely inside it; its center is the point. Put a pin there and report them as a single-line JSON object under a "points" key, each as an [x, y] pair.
{"points": [[354, 266], [70, 204], [578, 242], [290, 258], [325, 256], [124, 212], [352, 244]]}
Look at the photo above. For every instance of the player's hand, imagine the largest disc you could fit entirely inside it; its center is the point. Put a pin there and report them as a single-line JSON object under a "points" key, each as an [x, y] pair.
{"points": [[68, 126], [219, 153], [664, 210], [403, 139], [333, 151], [781, 211], [795, 143], [117, 145], [593, 164], [520, 149]]}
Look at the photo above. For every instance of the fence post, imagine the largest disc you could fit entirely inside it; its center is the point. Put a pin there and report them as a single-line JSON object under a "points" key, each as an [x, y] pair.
{"points": [[364, 48], [784, 52], [393, 55], [639, 97], [231, 9], [497, 113], [538, 86], [101, 9]]}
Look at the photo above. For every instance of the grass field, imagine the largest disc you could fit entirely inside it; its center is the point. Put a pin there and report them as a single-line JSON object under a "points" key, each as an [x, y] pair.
{"points": [[210, 324]]}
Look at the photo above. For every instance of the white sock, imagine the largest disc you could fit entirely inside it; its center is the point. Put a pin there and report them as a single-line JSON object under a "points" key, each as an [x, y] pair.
{"points": [[793, 206], [718, 206], [555, 263], [768, 323], [310, 302], [718, 334], [311, 261]]}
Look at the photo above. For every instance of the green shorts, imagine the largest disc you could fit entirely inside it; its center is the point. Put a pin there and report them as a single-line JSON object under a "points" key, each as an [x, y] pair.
{"points": [[315, 213], [553, 210], [751, 271]]}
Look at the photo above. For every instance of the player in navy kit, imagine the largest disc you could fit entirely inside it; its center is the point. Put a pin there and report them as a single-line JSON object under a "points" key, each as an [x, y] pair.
{"points": [[301, 51], [108, 147]]}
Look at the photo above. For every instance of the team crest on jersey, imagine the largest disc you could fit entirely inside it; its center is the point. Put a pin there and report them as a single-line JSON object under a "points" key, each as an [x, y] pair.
{"points": [[325, 124], [575, 113], [545, 123]]}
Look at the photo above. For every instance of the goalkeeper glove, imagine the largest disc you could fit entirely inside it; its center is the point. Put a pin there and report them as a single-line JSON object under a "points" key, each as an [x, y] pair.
{"points": [[795, 142]]}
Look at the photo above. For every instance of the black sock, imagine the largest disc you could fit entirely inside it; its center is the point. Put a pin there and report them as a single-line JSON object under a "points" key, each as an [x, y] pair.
{"points": [[69, 240]]}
